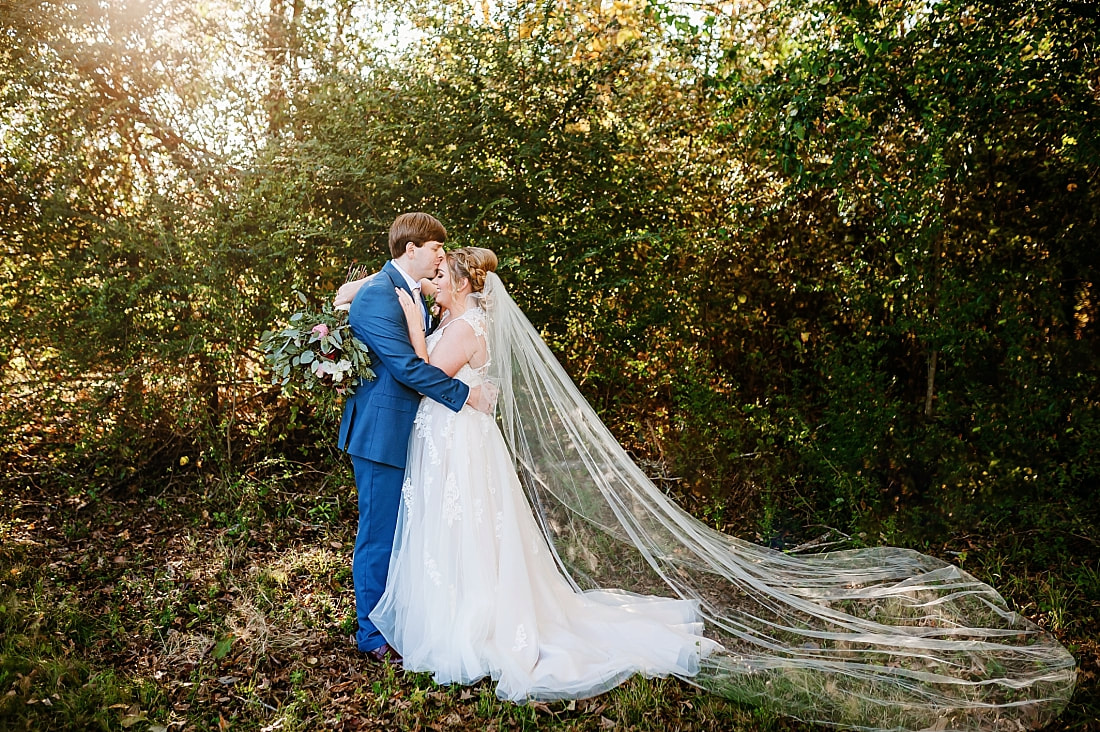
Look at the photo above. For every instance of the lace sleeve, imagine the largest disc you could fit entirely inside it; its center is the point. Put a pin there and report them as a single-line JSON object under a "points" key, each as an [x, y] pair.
{"points": [[476, 318]]}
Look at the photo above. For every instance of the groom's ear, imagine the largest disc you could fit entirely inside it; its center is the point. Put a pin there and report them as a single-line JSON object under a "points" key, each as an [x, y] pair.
{"points": [[410, 247]]}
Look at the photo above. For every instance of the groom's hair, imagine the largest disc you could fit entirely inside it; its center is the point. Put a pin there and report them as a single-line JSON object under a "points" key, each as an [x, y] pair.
{"points": [[417, 228]]}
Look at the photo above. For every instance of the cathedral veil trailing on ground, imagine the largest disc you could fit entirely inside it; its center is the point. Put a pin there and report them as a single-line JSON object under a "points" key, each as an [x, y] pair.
{"points": [[873, 639]]}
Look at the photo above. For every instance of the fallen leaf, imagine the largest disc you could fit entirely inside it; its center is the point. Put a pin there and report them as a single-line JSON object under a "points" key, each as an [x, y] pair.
{"points": [[133, 716]]}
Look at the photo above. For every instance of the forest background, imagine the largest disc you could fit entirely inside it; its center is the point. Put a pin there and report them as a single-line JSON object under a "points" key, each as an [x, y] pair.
{"points": [[827, 268]]}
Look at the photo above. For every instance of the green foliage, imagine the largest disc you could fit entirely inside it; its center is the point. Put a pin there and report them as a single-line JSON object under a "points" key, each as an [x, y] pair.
{"points": [[832, 258], [933, 163]]}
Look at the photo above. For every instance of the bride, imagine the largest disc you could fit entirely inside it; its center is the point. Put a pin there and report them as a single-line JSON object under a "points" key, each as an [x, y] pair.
{"points": [[473, 589], [531, 549]]}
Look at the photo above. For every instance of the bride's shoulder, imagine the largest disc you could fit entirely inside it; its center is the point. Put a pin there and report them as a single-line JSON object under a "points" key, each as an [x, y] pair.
{"points": [[468, 326], [475, 317]]}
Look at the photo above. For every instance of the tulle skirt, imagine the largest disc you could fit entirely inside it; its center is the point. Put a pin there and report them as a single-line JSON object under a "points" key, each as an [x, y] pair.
{"points": [[474, 589]]}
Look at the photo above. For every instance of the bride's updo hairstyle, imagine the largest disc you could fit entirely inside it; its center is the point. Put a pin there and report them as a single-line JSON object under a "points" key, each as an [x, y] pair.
{"points": [[472, 263]]}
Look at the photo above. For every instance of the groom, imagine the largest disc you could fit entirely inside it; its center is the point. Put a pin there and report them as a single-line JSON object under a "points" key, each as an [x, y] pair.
{"points": [[378, 417]]}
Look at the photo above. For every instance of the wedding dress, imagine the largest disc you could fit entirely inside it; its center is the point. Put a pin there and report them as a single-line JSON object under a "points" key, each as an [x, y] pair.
{"points": [[523, 543], [473, 587]]}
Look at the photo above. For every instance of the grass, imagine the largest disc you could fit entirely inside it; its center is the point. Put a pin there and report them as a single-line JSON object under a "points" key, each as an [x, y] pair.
{"points": [[226, 604]]}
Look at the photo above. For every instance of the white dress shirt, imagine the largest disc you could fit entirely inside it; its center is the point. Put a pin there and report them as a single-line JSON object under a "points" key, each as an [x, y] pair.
{"points": [[414, 285]]}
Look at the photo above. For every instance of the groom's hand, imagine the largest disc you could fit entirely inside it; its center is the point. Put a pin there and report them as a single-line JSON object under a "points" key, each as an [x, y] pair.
{"points": [[483, 398]]}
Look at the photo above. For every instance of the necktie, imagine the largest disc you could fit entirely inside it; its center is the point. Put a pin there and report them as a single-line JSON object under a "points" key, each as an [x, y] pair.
{"points": [[423, 306]]}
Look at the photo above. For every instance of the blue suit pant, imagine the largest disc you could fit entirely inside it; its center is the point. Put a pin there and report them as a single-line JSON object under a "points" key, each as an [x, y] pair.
{"points": [[379, 488]]}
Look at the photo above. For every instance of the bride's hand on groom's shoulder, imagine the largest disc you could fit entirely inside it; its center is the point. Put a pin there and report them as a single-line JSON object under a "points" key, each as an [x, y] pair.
{"points": [[348, 291], [345, 294]]}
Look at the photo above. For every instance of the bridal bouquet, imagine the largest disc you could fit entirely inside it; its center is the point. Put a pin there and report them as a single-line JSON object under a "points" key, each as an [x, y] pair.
{"points": [[317, 349]]}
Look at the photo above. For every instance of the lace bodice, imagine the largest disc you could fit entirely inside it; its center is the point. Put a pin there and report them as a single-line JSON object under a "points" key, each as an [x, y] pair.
{"points": [[468, 374]]}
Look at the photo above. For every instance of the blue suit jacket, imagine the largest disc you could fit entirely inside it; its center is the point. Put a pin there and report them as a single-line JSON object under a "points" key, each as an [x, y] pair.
{"points": [[378, 417]]}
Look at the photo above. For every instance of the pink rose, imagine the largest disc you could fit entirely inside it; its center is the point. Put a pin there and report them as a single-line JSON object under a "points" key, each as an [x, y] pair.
{"points": [[321, 329]]}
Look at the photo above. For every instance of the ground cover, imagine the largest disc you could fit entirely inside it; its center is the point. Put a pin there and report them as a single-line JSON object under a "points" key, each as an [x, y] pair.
{"points": [[226, 603]]}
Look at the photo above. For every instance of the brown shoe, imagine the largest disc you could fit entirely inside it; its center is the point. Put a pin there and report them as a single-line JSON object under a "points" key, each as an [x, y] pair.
{"points": [[385, 654]]}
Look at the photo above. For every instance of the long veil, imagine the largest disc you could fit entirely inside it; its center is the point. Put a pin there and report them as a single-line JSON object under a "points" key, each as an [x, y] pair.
{"points": [[871, 639]]}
